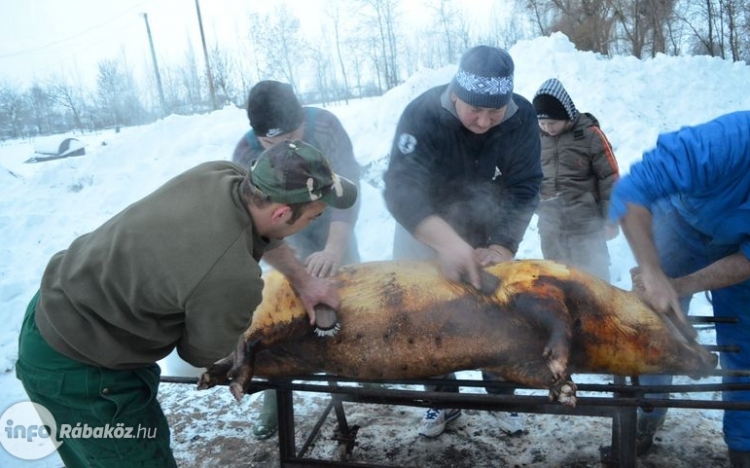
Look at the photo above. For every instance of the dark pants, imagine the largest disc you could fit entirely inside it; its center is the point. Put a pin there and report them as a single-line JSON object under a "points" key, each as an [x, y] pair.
{"points": [[82, 395], [449, 388]]}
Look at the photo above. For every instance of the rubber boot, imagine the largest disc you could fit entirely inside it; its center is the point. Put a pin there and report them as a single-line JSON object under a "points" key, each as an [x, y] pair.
{"points": [[267, 421], [648, 424]]}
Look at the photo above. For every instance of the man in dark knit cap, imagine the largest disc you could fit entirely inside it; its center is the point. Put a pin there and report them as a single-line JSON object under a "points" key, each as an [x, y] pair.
{"points": [[275, 114], [463, 180]]}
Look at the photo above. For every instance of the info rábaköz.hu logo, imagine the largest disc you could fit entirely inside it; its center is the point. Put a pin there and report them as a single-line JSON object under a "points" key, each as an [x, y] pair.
{"points": [[28, 431]]}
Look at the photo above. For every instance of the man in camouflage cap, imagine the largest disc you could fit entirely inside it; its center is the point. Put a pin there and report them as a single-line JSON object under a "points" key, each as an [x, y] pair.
{"points": [[176, 270], [294, 172]]}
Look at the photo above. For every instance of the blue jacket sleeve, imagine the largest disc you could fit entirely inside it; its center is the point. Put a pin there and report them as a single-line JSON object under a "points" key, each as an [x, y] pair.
{"points": [[694, 161]]}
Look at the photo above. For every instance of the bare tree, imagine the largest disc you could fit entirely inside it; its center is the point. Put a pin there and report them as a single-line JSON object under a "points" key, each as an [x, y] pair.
{"points": [[69, 97], [384, 13], [278, 35], [541, 14], [358, 53], [719, 27], [323, 69], [256, 31], [506, 26], [40, 105], [110, 84], [190, 79], [645, 25], [733, 21], [587, 23], [13, 111], [337, 32], [222, 69], [451, 32]]}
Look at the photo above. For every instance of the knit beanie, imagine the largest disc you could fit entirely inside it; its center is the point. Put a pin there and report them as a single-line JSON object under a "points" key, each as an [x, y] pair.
{"points": [[548, 107], [273, 109], [484, 77]]}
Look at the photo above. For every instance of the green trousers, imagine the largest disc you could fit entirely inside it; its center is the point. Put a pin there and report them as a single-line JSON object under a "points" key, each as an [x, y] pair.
{"points": [[80, 395]]}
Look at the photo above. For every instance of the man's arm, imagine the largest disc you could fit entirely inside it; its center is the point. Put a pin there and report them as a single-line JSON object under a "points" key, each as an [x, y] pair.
{"points": [[334, 142], [728, 271], [456, 256], [326, 262], [658, 291]]}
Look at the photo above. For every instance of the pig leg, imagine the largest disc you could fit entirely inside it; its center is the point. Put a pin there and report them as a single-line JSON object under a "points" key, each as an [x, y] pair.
{"points": [[551, 315], [242, 370], [544, 311], [236, 368]]}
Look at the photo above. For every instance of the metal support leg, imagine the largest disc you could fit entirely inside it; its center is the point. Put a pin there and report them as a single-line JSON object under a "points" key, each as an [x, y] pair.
{"points": [[624, 422], [622, 452], [285, 408], [345, 435]]}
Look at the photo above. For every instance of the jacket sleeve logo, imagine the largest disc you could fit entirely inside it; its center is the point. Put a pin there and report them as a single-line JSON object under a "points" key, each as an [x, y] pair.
{"points": [[407, 143]]}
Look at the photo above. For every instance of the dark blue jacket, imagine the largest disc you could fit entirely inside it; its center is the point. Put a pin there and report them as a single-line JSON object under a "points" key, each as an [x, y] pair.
{"points": [[485, 186]]}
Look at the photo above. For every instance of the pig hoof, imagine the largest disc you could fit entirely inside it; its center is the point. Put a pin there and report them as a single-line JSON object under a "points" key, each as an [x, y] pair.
{"points": [[237, 391], [568, 394], [209, 379], [205, 382]]}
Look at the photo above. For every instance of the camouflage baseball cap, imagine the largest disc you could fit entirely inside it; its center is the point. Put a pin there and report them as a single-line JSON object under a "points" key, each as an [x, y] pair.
{"points": [[293, 172]]}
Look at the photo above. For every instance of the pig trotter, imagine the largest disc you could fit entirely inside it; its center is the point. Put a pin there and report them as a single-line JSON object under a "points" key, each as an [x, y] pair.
{"points": [[565, 393], [216, 373]]}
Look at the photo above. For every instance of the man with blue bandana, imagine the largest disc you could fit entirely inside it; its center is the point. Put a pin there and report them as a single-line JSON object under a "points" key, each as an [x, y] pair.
{"points": [[463, 180]]}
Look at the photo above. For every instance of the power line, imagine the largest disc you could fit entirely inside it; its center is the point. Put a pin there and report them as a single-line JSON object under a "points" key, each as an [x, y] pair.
{"points": [[75, 36]]}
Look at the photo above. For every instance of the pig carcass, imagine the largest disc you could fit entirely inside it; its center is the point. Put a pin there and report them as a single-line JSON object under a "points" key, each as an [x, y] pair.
{"points": [[540, 323]]}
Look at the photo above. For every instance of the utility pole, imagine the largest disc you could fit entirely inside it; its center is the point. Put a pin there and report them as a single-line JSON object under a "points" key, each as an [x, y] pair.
{"points": [[156, 66], [205, 55]]}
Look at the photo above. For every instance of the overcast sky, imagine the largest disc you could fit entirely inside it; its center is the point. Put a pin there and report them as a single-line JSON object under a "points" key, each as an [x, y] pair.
{"points": [[39, 38], [42, 38]]}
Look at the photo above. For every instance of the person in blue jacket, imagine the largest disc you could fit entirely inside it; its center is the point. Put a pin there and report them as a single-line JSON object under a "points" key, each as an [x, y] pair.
{"points": [[463, 180], [685, 211]]}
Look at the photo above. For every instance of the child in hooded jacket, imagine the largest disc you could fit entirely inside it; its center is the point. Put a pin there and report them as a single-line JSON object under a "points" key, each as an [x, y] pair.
{"points": [[580, 171]]}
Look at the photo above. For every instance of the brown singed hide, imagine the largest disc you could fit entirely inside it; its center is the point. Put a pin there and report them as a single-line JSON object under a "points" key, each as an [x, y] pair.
{"points": [[402, 320]]}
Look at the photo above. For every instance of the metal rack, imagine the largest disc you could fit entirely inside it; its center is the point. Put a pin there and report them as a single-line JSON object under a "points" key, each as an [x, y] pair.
{"points": [[618, 400]]}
